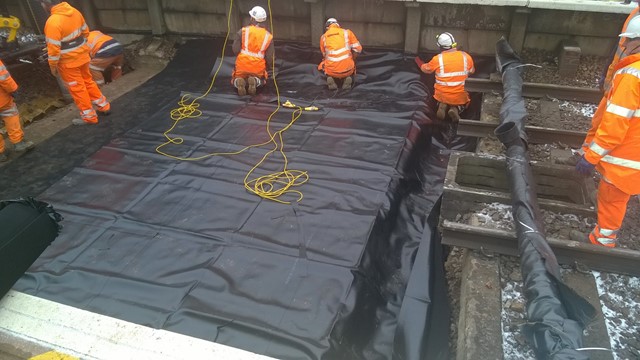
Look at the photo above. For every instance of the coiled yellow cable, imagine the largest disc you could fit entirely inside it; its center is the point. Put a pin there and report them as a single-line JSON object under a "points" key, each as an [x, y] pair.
{"points": [[270, 186]]}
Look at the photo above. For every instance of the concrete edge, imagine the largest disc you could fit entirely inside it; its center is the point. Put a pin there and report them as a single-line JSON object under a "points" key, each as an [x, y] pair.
{"points": [[480, 322], [42, 324], [612, 7]]}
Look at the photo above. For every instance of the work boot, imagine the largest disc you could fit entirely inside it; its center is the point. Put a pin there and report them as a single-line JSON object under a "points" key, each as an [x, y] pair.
{"points": [[454, 114], [241, 85], [579, 236], [253, 84], [346, 85], [80, 122], [3, 157], [442, 111], [331, 83], [104, 113], [23, 146]]}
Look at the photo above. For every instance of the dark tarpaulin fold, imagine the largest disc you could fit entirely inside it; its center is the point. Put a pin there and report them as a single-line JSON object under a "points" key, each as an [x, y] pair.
{"points": [[556, 314], [182, 246], [27, 227]]}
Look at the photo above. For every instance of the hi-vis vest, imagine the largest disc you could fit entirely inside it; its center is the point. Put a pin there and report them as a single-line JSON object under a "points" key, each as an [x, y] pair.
{"points": [[336, 45], [100, 43], [65, 33], [619, 55], [451, 68], [255, 42], [7, 86], [615, 148]]}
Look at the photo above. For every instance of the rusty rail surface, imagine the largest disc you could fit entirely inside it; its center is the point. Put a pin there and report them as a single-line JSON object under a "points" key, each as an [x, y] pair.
{"points": [[535, 90], [536, 134], [616, 260]]}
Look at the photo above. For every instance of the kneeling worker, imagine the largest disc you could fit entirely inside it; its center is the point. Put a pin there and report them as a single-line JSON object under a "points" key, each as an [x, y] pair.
{"points": [[452, 68], [10, 116], [253, 46], [106, 52], [340, 48]]}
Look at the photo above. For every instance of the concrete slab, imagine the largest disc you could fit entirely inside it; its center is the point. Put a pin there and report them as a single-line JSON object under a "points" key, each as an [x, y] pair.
{"points": [[595, 334], [28, 324], [479, 326]]}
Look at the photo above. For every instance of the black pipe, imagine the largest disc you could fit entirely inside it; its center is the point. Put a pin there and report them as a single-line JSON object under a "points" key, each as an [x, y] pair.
{"points": [[556, 314]]}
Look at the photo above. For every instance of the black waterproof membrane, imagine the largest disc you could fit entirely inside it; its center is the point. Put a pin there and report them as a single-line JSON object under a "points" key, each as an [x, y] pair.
{"points": [[182, 246], [556, 314]]}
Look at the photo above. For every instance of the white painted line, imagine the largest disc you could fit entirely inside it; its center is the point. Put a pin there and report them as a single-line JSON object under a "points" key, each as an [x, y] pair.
{"points": [[92, 336]]}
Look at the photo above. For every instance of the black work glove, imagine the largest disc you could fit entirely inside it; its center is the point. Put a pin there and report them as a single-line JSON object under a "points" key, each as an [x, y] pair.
{"points": [[584, 167]]}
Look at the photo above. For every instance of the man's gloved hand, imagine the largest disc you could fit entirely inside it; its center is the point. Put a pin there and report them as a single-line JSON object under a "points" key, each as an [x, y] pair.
{"points": [[584, 167], [54, 71], [601, 83], [419, 61]]}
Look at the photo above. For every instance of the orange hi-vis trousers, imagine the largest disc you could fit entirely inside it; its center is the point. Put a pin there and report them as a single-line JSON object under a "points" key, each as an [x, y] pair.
{"points": [[612, 206], [85, 91], [98, 65], [11, 118]]}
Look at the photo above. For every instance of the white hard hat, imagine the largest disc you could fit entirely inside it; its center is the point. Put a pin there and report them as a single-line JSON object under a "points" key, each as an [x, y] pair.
{"points": [[330, 21], [446, 41], [258, 14], [633, 28]]}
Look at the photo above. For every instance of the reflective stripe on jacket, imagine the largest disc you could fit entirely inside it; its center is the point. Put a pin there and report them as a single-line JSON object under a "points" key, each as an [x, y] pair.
{"points": [[251, 59], [102, 45], [615, 148], [66, 34], [7, 86], [336, 45], [452, 68], [619, 55]]}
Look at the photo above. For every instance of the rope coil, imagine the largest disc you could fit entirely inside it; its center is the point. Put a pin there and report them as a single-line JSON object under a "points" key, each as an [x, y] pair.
{"points": [[271, 186]]}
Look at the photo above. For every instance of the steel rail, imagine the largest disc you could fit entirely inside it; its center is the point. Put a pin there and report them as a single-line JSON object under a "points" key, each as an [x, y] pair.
{"points": [[535, 90], [537, 135], [616, 260]]}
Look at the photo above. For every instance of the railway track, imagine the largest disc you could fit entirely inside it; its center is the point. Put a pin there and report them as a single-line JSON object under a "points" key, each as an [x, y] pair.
{"points": [[535, 90], [537, 135]]}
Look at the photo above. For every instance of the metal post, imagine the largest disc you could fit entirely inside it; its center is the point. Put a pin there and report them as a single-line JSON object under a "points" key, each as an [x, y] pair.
{"points": [[412, 30], [317, 19], [158, 26]]}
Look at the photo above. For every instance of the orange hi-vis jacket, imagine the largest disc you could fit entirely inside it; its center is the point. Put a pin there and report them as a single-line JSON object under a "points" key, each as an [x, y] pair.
{"points": [[96, 42], [7, 86], [250, 60], [619, 54], [66, 34], [615, 148], [336, 45], [452, 68]]}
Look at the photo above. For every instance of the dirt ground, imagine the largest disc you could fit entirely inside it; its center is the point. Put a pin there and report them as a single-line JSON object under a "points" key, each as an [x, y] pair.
{"points": [[546, 69], [557, 114], [40, 101]]}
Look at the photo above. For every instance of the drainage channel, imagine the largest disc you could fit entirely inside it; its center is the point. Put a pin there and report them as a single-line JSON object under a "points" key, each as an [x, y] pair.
{"points": [[476, 219]]}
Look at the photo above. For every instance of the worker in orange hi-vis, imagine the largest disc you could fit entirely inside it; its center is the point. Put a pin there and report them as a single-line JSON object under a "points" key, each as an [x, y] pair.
{"points": [[615, 148], [605, 83], [253, 46], [339, 48], [10, 116], [106, 52], [452, 68], [66, 35]]}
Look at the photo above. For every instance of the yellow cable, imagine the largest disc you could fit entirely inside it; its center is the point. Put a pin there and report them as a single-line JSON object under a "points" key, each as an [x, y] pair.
{"points": [[270, 186]]}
